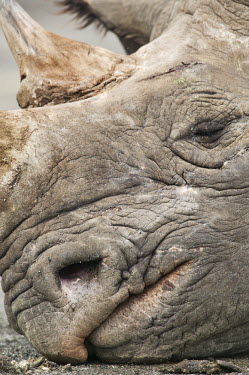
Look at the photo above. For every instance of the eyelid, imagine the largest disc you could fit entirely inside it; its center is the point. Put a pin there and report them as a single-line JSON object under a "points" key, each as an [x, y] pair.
{"points": [[206, 128]]}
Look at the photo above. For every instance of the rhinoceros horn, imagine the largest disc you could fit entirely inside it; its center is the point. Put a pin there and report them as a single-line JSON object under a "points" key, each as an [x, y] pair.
{"points": [[54, 69]]}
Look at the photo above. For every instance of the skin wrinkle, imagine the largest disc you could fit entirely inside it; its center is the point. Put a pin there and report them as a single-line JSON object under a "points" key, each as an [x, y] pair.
{"points": [[20, 260], [43, 220], [33, 303], [40, 314], [37, 255], [224, 14], [14, 295], [40, 236], [239, 15]]}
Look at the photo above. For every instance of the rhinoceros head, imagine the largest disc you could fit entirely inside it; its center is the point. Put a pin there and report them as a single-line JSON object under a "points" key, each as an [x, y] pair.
{"points": [[124, 225]]}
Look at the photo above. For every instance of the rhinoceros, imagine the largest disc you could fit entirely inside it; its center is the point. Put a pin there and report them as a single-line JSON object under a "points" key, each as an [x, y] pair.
{"points": [[124, 183]]}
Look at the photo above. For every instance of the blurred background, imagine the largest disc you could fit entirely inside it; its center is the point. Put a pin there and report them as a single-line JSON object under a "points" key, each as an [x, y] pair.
{"points": [[46, 13]]}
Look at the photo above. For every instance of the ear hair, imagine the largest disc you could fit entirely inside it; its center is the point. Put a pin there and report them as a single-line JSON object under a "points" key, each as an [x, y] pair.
{"points": [[81, 11]]}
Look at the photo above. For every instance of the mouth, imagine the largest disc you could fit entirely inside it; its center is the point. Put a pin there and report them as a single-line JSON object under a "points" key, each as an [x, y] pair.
{"points": [[129, 319]]}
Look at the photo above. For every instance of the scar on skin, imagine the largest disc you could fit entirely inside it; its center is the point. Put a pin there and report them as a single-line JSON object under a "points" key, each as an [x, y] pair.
{"points": [[171, 70]]}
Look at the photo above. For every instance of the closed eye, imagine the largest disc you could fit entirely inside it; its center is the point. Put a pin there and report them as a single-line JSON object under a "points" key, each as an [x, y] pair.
{"points": [[207, 132]]}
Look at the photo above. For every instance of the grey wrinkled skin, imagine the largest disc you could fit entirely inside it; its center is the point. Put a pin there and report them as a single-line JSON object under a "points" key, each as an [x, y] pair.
{"points": [[144, 188]]}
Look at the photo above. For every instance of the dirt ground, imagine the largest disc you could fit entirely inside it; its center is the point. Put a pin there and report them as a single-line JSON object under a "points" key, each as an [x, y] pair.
{"points": [[18, 357]]}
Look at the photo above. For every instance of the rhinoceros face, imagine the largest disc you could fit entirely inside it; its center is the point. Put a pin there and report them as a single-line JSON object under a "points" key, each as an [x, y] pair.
{"points": [[124, 221]]}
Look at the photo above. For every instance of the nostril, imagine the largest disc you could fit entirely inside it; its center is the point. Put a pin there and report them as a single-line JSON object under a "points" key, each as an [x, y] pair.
{"points": [[80, 271]]}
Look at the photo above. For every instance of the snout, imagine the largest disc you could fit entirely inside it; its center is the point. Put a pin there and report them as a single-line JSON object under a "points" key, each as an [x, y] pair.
{"points": [[74, 287]]}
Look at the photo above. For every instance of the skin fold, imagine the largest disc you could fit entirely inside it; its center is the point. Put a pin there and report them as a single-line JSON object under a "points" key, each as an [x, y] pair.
{"points": [[124, 221]]}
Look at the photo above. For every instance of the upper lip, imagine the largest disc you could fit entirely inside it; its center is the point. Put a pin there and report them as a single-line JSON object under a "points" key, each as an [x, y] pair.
{"points": [[117, 340]]}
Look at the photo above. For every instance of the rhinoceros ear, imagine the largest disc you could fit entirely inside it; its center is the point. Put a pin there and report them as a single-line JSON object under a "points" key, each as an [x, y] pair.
{"points": [[54, 69], [132, 20]]}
